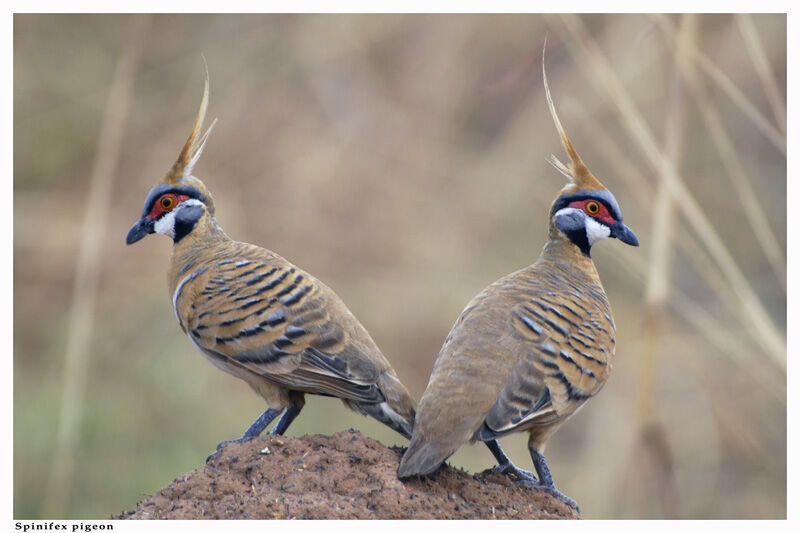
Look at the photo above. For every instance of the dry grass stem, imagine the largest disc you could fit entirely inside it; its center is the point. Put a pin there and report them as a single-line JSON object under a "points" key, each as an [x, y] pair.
{"points": [[657, 281], [81, 314], [709, 325], [690, 249], [724, 338], [735, 172], [727, 86], [589, 56], [652, 455], [755, 47]]}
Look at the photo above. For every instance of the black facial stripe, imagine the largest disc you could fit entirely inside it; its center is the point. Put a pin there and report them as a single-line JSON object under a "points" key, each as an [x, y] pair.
{"points": [[602, 196], [156, 192], [581, 240], [185, 219]]}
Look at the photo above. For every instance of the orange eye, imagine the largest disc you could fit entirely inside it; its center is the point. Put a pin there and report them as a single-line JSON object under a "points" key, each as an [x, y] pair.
{"points": [[167, 202], [592, 208]]}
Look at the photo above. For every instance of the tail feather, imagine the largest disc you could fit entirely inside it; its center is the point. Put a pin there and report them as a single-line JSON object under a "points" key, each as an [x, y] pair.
{"points": [[382, 412], [398, 408], [420, 459]]}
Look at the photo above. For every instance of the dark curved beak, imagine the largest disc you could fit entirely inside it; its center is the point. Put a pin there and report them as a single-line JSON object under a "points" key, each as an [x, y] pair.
{"points": [[624, 233], [140, 230]]}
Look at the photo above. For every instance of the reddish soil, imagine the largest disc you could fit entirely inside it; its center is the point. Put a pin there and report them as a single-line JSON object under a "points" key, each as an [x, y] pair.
{"points": [[342, 476]]}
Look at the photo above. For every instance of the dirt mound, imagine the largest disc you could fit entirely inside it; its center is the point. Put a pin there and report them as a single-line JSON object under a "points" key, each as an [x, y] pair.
{"points": [[342, 476]]}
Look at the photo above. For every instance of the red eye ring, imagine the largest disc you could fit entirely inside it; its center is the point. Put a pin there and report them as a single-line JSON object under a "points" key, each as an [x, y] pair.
{"points": [[167, 202]]}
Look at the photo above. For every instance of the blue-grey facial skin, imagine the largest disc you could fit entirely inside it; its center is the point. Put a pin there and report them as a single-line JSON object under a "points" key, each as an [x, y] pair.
{"points": [[570, 221], [188, 214]]}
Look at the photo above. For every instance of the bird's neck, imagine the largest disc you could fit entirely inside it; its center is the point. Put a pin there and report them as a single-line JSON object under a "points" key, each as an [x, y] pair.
{"points": [[197, 247], [559, 251]]}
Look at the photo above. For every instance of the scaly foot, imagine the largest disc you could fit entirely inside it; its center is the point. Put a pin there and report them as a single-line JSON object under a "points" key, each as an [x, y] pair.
{"points": [[509, 469], [551, 490]]}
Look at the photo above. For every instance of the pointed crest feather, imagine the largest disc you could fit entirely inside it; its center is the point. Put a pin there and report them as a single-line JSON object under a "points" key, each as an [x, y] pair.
{"points": [[191, 151], [576, 171], [561, 167]]}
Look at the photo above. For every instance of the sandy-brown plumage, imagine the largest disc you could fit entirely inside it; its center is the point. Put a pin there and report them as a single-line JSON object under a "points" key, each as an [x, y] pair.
{"points": [[262, 319], [529, 350], [525, 354], [257, 316]]}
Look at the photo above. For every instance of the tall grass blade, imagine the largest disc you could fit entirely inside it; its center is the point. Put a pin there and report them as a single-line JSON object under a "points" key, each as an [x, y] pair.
{"points": [[755, 47], [728, 87], [81, 313], [591, 58]]}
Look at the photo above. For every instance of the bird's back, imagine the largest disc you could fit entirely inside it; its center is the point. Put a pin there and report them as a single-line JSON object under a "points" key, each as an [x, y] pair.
{"points": [[528, 350], [257, 316]]}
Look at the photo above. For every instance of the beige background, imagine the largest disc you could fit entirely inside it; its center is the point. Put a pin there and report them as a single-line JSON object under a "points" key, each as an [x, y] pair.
{"points": [[402, 160]]}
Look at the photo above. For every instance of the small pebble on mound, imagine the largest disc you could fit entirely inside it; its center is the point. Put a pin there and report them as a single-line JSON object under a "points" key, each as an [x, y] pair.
{"points": [[342, 476]]}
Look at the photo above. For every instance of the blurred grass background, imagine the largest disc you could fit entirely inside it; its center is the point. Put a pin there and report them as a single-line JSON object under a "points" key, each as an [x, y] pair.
{"points": [[402, 160]]}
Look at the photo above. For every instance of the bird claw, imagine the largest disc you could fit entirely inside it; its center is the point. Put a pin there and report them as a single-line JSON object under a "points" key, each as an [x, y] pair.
{"points": [[509, 469], [561, 496], [224, 443], [552, 491]]}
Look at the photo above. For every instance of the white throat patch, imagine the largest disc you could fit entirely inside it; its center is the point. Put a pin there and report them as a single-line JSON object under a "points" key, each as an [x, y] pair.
{"points": [[166, 225], [596, 231]]}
